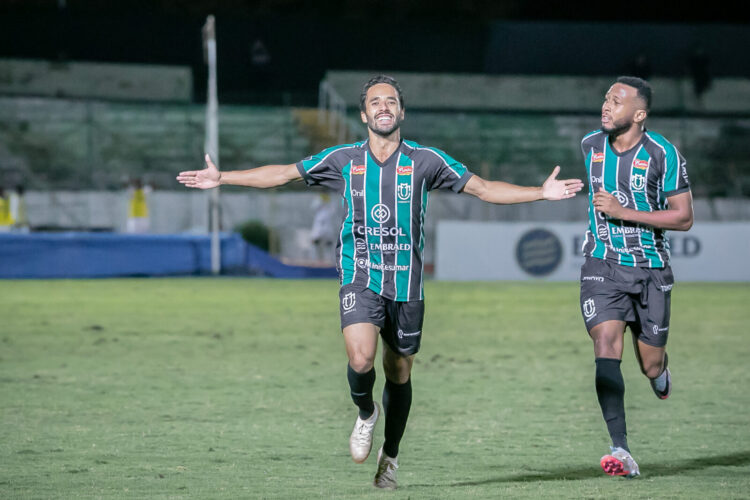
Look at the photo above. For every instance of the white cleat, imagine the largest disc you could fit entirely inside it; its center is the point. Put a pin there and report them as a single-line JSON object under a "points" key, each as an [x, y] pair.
{"points": [[385, 477], [620, 463], [360, 442]]}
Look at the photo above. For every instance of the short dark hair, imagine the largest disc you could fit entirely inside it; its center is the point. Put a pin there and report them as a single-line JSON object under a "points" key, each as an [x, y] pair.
{"points": [[376, 80], [641, 85]]}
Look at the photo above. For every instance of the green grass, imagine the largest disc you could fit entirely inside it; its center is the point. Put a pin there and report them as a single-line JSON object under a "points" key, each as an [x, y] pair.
{"points": [[236, 388]]}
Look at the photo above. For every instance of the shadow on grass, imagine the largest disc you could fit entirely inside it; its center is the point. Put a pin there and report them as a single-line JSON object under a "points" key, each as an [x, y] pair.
{"points": [[647, 470]]}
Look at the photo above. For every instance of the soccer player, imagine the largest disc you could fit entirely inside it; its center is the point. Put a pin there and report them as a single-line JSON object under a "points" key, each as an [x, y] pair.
{"points": [[638, 188], [384, 182]]}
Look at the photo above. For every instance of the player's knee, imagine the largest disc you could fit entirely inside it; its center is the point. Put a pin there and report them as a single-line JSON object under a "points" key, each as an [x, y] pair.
{"points": [[652, 369], [361, 362]]}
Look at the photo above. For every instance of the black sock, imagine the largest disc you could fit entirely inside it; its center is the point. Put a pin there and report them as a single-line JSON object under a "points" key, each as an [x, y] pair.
{"points": [[396, 403], [360, 385], [610, 390]]}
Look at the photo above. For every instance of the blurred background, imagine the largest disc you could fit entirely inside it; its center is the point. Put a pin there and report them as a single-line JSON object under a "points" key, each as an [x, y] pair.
{"points": [[103, 103]]}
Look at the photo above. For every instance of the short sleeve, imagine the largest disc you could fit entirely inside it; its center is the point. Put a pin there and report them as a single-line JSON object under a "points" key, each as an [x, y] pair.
{"points": [[675, 179], [323, 169], [444, 171]]}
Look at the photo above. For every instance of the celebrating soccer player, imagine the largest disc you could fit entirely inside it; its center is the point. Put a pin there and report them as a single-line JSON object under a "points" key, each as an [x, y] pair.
{"points": [[638, 188], [384, 182]]}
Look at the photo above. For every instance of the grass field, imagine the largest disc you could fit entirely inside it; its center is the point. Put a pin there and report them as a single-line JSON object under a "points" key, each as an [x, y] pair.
{"points": [[236, 388]]}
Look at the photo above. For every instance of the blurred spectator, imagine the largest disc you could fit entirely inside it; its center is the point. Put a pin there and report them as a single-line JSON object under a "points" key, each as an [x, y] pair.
{"points": [[138, 218], [640, 66], [324, 232], [699, 71], [18, 209], [6, 218]]}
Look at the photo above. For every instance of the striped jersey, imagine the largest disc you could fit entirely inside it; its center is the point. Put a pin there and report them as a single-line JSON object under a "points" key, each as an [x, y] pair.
{"points": [[381, 241], [641, 178]]}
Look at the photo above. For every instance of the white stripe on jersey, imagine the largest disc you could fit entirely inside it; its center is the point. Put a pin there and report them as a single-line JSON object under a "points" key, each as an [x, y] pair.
{"points": [[326, 156], [431, 150]]}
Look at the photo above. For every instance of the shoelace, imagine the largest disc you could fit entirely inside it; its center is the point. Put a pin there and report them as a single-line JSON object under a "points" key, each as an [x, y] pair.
{"points": [[362, 432]]}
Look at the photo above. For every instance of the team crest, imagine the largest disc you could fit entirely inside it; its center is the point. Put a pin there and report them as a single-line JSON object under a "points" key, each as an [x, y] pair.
{"points": [[349, 301], [404, 191], [638, 182], [589, 308]]}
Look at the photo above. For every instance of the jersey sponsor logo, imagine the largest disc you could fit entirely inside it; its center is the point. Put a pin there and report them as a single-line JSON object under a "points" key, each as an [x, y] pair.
{"points": [[404, 191], [404, 170], [602, 232], [381, 231], [658, 330], [366, 264], [348, 302], [589, 308], [684, 175], [597, 158], [593, 278], [358, 193], [390, 247], [360, 246], [380, 213], [358, 169], [621, 197], [624, 250], [402, 334], [638, 182], [625, 230], [640, 164], [596, 180]]}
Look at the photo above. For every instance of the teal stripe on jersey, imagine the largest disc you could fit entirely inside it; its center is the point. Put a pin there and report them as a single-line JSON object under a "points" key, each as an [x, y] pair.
{"points": [[457, 167], [672, 162], [641, 203], [373, 200], [347, 231], [599, 249], [425, 196], [312, 162], [616, 236], [404, 190]]}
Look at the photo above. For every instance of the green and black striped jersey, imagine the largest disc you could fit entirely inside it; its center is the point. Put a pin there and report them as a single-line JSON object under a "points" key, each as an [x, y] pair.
{"points": [[641, 178], [381, 241]]}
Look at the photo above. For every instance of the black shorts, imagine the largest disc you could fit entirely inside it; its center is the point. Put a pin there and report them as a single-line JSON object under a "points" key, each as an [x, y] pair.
{"points": [[639, 296], [400, 323]]}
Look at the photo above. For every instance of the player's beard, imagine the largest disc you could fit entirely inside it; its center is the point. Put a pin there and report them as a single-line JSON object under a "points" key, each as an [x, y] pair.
{"points": [[372, 125], [618, 128]]}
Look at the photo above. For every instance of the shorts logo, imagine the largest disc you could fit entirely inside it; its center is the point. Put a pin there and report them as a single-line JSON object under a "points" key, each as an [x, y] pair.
{"points": [[358, 169], [637, 182], [380, 213], [603, 232], [404, 170], [402, 334], [597, 158], [349, 301], [593, 278], [640, 164], [621, 197], [666, 288], [404, 191], [589, 309], [658, 330]]}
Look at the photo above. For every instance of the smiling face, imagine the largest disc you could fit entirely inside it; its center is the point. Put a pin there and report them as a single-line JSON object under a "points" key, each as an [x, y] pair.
{"points": [[382, 109], [622, 110]]}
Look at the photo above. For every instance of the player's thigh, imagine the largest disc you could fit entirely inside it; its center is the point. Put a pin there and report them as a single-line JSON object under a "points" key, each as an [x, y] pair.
{"points": [[402, 329], [608, 337], [362, 316], [604, 295], [653, 310], [361, 341]]}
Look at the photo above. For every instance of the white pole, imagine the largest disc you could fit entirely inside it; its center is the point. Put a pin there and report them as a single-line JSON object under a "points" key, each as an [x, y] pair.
{"points": [[212, 138]]}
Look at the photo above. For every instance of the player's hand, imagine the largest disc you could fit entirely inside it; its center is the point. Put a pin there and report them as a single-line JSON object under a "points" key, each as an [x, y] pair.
{"points": [[207, 178], [607, 204], [558, 189]]}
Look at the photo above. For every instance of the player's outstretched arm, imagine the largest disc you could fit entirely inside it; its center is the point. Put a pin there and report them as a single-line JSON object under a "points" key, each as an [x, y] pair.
{"points": [[260, 177], [505, 193]]}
